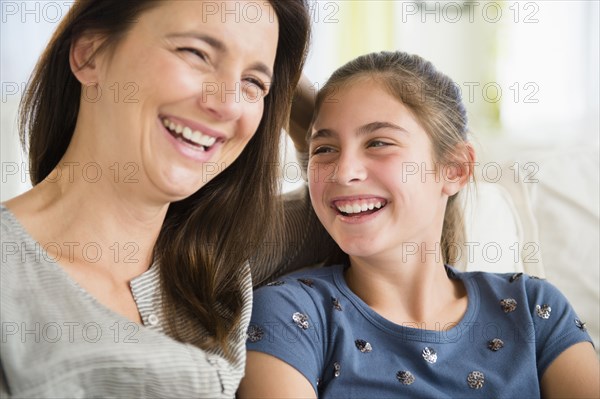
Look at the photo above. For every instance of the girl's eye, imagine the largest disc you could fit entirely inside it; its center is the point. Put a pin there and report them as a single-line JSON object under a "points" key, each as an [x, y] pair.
{"points": [[322, 150], [378, 143]]}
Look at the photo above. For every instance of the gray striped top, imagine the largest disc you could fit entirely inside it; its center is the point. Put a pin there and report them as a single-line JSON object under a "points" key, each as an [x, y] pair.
{"points": [[58, 341]]}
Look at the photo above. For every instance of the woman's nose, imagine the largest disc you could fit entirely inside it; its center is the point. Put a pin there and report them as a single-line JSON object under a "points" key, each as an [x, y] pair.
{"points": [[222, 99]]}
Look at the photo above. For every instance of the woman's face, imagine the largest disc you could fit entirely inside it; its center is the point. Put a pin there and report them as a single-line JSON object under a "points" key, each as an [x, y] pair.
{"points": [[373, 182], [183, 91]]}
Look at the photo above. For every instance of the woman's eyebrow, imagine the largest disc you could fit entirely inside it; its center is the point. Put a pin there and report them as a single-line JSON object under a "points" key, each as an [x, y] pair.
{"points": [[210, 40], [220, 47]]}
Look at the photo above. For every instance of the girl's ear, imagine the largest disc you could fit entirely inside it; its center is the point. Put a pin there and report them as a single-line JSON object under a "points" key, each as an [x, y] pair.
{"points": [[82, 58], [458, 171]]}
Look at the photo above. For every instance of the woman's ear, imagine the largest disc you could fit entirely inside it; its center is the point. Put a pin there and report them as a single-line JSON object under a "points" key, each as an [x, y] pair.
{"points": [[458, 171], [82, 58]]}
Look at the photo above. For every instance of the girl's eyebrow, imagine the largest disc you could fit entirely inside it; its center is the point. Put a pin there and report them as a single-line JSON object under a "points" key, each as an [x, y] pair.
{"points": [[220, 47], [361, 131], [373, 126]]}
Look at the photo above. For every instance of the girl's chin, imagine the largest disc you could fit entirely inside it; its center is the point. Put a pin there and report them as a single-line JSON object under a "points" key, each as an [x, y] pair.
{"points": [[360, 250]]}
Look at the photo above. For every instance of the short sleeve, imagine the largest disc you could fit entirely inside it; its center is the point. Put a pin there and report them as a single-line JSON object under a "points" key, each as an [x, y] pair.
{"points": [[557, 326], [286, 323]]}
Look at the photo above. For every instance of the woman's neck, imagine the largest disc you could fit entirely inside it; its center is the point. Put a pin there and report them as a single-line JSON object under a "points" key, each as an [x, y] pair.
{"points": [[84, 220], [410, 292]]}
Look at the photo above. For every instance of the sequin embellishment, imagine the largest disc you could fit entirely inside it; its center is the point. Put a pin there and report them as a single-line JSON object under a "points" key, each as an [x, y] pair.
{"points": [[301, 320], [429, 354], [336, 369], [508, 305], [405, 377], [306, 281], [580, 324], [495, 344], [475, 379], [363, 346], [275, 283], [515, 277], [255, 333], [543, 311], [336, 304]]}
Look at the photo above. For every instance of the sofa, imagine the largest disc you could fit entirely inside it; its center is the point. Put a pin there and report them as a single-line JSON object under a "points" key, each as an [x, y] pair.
{"points": [[535, 209]]}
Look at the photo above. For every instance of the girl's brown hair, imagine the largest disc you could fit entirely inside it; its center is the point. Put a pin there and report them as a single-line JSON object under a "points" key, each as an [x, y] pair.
{"points": [[436, 102], [206, 238]]}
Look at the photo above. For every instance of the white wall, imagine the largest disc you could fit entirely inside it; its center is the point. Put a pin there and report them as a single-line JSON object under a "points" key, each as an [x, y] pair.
{"points": [[547, 50]]}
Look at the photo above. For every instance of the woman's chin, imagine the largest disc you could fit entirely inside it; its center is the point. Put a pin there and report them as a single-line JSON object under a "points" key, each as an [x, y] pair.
{"points": [[176, 189]]}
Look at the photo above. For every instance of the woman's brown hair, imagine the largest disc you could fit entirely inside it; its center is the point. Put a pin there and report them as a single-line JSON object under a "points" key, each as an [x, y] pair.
{"points": [[207, 238], [437, 104]]}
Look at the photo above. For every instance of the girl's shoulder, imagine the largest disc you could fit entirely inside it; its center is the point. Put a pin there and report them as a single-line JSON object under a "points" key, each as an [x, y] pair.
{"points": [[518, 282]]}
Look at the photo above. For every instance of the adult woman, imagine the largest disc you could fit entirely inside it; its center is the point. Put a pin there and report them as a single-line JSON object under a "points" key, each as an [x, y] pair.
{"points": [[389, 321], [152, 128]]}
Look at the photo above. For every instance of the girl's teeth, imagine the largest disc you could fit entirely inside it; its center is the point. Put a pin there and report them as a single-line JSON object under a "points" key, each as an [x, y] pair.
{"points": [[196, 137], [358, 208], [187, 133]]}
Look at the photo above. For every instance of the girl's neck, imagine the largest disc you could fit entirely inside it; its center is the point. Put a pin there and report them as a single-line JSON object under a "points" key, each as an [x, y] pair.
{"points": [[413, 292]]}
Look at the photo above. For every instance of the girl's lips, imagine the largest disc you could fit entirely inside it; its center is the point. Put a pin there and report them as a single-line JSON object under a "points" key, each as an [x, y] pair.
{"points": [[356, 203], [359, 218], [358, 208]]}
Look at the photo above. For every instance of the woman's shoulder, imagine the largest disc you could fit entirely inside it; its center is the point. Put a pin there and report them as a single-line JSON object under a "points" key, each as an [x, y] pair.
{"points": [[15, 240], [8, 221]]}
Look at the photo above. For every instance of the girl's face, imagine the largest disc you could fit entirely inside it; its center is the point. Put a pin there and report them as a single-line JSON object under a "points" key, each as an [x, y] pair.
{"points": [[373, 182], [183, 92]]}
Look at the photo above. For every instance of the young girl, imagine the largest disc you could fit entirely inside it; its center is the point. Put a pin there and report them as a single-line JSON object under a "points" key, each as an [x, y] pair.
{"points": [[388, 156]]}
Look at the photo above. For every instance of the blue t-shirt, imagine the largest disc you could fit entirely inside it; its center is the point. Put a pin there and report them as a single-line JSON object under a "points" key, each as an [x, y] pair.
{"points": [[513, 328]]}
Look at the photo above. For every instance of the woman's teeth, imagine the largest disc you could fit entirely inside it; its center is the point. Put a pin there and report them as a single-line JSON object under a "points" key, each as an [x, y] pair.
{"points": [[359, 207], [193, 136]]}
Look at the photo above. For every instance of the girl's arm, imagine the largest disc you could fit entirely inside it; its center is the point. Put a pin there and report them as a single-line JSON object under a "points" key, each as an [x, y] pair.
{"points": [[302, 111], [574, 374], [269, 377]]}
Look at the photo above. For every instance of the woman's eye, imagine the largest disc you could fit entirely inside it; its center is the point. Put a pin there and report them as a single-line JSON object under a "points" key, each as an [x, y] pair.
{"points": [[258, 83], [195, 52], [254, 88]]}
